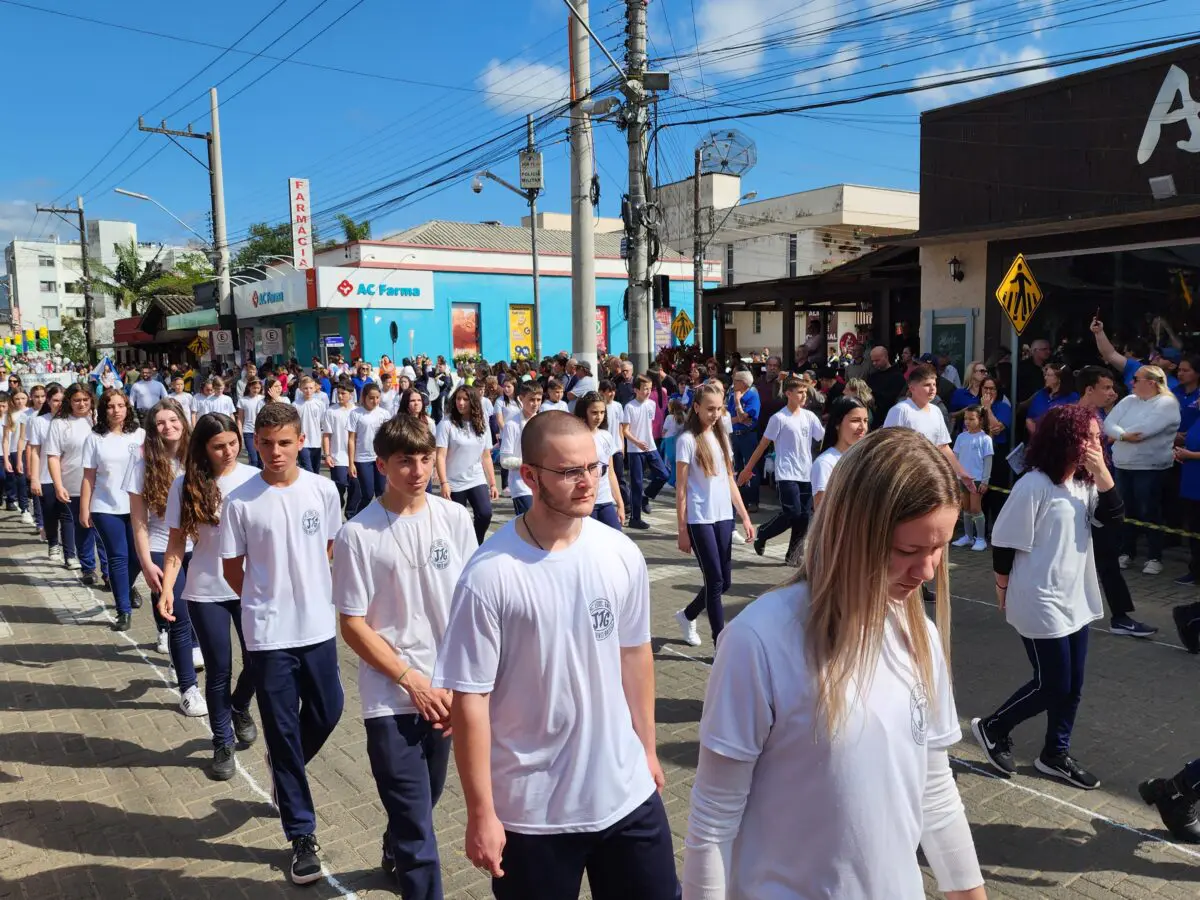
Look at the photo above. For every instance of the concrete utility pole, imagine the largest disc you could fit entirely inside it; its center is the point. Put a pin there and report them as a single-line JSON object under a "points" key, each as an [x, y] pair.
{"points": [[583, 223], [89, 306], [640, 333], [697, 260], [533, 230], [216, 181]]}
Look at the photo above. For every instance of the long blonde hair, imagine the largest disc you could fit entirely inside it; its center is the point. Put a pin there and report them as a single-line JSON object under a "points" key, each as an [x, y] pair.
{"points": [[1158, 376], [704, 457], [891, 476]]}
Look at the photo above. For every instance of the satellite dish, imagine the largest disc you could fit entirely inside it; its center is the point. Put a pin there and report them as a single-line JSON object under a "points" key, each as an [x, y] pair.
{"points": [[728, 153]]}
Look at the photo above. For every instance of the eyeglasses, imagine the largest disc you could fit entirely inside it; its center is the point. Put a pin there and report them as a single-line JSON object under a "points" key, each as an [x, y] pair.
{"points": [[576, 473]]}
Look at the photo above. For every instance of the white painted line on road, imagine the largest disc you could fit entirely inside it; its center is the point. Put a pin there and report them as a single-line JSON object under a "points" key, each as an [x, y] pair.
{"points": [[5, 629]]}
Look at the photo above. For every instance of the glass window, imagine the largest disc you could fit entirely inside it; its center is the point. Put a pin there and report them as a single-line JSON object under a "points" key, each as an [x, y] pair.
{"points": [[46, 261], [49, 287], [791, 255], [758, 323], [729, 263], [49, 312]]}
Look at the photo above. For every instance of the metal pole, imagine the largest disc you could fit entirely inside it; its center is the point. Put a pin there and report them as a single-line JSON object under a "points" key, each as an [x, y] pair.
{"points": [[1015, 356], [89, 305], [583, 238], [220, 239], [640, 333], [533, 230], [697, 260]]}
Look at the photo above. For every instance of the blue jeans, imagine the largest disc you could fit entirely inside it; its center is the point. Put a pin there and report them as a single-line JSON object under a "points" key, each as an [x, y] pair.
{"points": [[618, 463], [1141, 493], [607, 513], [347, 489], [181, 637], [36, 503], [300, 700], [743, 445], [56, 519], [795, 500], [17, 486], [479, 501], [84, 539], [116, 534], [310, 459], [639, 492], [211, 621], [712, 545], [409, 759], [251, 450]]}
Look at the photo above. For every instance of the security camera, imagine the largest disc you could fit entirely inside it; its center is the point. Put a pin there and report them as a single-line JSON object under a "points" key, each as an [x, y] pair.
{"points": [[477, 185]]}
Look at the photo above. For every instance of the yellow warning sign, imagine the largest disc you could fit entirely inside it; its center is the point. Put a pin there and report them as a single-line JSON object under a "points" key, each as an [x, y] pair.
{"points": [[199, 345], [1019, 294], [682, 326]]}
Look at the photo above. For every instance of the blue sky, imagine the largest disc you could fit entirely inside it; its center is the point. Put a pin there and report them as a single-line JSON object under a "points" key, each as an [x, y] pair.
{"points": [[426, 81]]}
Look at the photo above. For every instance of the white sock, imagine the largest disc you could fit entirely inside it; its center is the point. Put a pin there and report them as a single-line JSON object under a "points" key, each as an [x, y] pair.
{"points": [[968, 525]]}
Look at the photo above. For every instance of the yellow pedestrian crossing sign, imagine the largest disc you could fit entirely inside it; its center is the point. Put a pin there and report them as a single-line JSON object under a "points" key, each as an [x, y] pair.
{"points": [[1019, 294], [682, 326]]}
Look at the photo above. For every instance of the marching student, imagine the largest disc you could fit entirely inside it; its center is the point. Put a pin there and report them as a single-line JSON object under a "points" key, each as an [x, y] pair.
{"points": [[464, 458], [56, 517], [251, 402], [147, 483], [554, 397], [705, 500], [414, 402], [215, 398], [17, 497], [817, 683], [610, 506], [363, 424], [277, 532], [389, 397], [393, 611], [793, 430], [63, 452], [311, 410], [25, 452], [918, 413], [615, 419], [274, 391], [849, 420], [195, 506], [511, 443], [109, 450], [335, 440], [1176, 799], [185, 400], [641, 453], [553, 711], [973, 447]]}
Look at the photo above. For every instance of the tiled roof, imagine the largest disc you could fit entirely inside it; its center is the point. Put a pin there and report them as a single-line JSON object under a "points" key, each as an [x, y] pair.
{"points": [[472, 235], [175, 304]]}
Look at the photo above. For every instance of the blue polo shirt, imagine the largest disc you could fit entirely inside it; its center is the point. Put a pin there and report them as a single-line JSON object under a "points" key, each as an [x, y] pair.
{"points": [[1189, 412], [1189, 478], [1131, 367], [1042, 403], [751, 406]]}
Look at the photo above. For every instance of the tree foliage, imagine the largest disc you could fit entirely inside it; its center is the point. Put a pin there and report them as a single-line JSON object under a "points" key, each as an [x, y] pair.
{"points": [[264, 241], [133, 284], [354, 231], [72, 340]]}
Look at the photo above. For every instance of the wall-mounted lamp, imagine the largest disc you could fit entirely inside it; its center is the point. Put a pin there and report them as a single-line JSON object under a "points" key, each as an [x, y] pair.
{"points": [[956, 269]]}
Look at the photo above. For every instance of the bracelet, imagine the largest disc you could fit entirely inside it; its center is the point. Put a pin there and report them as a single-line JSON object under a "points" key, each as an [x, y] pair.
{"points": [[403, 675], [1003, 587]]}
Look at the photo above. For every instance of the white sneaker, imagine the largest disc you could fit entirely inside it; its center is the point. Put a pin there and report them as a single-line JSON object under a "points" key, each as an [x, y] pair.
{"points": [[1152, 567], [506, 493], [687, 628], [1123, 560], [197, 659], [27, 517], [980, 544], [964, 541], [55, 554], [164, 643], [738, 537], [73, 564], [193, 703]]}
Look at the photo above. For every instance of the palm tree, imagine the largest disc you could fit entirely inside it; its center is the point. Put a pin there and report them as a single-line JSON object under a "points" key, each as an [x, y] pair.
{"points": [[134, 284], [355, 231]]}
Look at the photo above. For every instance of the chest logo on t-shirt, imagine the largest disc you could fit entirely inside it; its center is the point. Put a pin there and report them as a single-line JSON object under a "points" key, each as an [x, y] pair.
{"points": [[918, 708], [311, 522], [439, 554], [603, 620]]}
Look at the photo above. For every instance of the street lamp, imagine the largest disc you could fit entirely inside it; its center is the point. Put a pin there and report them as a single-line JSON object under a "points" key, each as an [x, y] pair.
{"points": [[136, 196], [530, 197], [742, 199]]}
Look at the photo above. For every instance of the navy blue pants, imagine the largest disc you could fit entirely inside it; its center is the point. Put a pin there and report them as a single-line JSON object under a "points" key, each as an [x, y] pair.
{"points": [[116, 536], [477, 499], [641, 492], [36, 503], [300, 700], [607, 513], [631, 859], [211, 621], [409, 760], [251, 450], [347, 489], [795, 500], [522, 505], [712, 545], [618, 464], [370, 484], [1055, 689], [1141, 492], [85, 539], [181, 636], [743, 444], [16, 486], [56, 519], [310, 459]]}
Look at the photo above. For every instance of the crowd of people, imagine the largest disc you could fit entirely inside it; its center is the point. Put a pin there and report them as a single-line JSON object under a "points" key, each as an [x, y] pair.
{"points": [[531, 643]]}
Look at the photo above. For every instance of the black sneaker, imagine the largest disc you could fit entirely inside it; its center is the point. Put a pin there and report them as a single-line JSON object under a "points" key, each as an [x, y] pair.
{"points": [[638, 525], [998, 750], [1177, 811], [223, 764], [89, 578], [123, 623], [306, 865], [387, 862], [1066, 769], [244, 727], [760, 546], [1186, 579], [1186, 623], [135, 599], [1126, 625]]}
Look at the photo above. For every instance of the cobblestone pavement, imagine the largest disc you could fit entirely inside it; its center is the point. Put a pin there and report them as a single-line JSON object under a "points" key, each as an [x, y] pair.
{"points": [[103, 792]]}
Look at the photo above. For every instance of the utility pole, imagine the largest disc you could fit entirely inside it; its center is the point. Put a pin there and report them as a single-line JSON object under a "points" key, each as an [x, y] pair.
{"points": [[583, 238], [697, 260], [89, 306], [533, 230], [640, 333], [217, 189]]}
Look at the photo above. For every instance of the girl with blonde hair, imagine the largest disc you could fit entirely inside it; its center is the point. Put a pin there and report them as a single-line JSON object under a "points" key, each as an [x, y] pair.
{"points": [[829, 709]]}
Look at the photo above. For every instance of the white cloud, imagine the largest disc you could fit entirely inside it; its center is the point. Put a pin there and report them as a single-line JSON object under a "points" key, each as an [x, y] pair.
{"points": [[520, 87], [846, 61], [723, 24], [962, 13], [16, 217], [942, 96]]}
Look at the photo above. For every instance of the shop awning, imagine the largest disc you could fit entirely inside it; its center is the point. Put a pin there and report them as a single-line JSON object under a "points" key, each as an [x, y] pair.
{"points": [[127, 332]]}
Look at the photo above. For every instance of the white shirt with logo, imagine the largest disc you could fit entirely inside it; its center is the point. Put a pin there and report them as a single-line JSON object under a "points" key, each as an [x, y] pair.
{"points": [[336, 424], [111, 455], [464, 454], [639, 416], [365, 425], [399, 572], [206, 576], [616, 418], [249, 408], [709, 497], [542, 633], [66, 440], [284, 534], [793, 434]]}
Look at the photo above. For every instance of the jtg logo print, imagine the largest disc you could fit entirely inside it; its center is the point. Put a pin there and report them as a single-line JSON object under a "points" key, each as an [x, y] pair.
{"points": [[603, 620]]}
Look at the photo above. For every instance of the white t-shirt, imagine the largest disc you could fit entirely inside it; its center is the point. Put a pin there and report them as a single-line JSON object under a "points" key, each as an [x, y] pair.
{"points": [[206, 576], [971, 450], [1053, 590], [311, 412], [928, 421], [510, 445], [186, 401], [464, 454], [65, 440], [856, 800], [543, 632], [220, 403], [39, 430], [708, 497], [560, 405], [336, 424], [606, 446], [616, 417], [672, 427], [249, 407], [14, 431], [284, 534], [399, 573], [157, 530], [201, 404], [389, 399], [793, 434], [365, 425], [111, 455], [639, 416], [822, 468]]}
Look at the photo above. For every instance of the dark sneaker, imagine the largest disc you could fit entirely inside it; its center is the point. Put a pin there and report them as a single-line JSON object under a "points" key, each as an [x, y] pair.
{"points": [[135, 599], [1186, 579], [223, 763], [760, 546], [1187, 623], [998, 750], [1126, 625], [1066, 769], [89, 578], [751, 507], [244, 727], [638, 525], [123, 623], [645, 506], [387, 862], [306, 865], [1177, 811]]}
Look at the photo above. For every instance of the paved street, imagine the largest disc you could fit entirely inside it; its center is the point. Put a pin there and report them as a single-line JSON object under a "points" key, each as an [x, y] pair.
{"points": [[104, 794]]}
